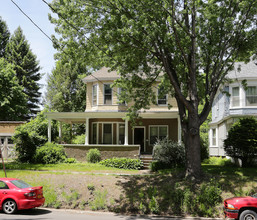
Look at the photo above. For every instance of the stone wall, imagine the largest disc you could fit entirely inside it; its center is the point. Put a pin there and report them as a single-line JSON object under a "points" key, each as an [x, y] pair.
{"points": [[107, 151]]}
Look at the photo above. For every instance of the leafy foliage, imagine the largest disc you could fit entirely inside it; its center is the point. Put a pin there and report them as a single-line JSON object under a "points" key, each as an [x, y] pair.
{"points": [[30, 136], [218, 161], [65, 90], [26, 67], [12, 99], [79, 139], [50, 153], [123, 163], [93, 156], [241, 142], [4, 37], [169, 153]]}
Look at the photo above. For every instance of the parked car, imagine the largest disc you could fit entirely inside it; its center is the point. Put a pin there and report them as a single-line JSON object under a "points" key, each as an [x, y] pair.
{"points": [[16, 195], [242, 208]]}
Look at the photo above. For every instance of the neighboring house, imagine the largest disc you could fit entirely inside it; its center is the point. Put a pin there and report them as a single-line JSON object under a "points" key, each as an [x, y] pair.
{"points": [[232, 102], [106, 126], [7, 129]]}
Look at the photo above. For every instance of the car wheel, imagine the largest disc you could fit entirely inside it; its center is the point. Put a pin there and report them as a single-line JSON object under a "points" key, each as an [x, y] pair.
{"points": [[9, 207], [248, 215]]}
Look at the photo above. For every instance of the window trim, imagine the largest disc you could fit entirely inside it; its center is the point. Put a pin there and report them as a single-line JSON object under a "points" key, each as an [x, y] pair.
{"points": [[212, 137], [231, 102], [118, 132], [250, 85], [158, 126], [96, 101], [103, 123], [97, 132], [166, 98], [105, 84]]}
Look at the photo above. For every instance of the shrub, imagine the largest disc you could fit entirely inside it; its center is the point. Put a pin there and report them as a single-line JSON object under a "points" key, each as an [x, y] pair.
{"points": [[157, 165], [241, 142], [169, 153], [80, 139], [70, 160], [218, 161], [123, 163], [93, 156], [50, 153], [28, 137]]}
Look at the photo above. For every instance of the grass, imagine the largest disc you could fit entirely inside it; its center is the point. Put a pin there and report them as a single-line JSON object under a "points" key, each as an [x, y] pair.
{"points": [[63, 167], [166, 192]]}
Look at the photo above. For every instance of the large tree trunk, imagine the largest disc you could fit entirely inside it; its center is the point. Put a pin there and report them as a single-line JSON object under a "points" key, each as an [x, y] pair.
{"points": [[191, 136]]}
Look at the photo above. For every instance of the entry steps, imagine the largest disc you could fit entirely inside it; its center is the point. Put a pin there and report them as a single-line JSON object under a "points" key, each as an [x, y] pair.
{"points": [[146, 159]]}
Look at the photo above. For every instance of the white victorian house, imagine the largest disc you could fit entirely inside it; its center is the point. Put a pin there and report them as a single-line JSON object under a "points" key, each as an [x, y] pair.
{"points": [[232, 102]]}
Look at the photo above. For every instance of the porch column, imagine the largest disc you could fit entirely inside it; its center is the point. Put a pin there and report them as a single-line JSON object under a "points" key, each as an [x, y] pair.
{"points": [[87, 132], [126, 132], [49, 130], [179, 130], [60, 132]]}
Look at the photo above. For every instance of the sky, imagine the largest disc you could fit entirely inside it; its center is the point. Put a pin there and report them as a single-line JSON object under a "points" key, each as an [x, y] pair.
{"points": [[40, 45]]}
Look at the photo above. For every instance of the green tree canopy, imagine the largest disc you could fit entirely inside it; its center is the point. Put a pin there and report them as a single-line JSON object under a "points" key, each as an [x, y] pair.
{"points": [[65, 90], [4, 37], [26, 66], [12, 99], [193, 43], [241, 142]]}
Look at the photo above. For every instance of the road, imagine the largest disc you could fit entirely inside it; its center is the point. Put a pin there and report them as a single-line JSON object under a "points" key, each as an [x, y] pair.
{"points": [[52, 214]]}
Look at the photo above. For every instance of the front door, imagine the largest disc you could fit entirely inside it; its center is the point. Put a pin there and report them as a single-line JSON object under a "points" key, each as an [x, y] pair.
{"points": [[139, 137]]}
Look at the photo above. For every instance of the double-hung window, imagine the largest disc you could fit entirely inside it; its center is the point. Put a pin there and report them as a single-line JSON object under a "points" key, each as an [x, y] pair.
{"points": [[120, 91], [162, 96], [94, 95], [235, 97], [158, 132], [107, 133], [107, 94], [251, 96], [214, 137]]}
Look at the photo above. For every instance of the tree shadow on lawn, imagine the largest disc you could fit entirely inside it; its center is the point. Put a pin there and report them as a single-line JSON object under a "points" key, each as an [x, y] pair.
{"points": [[166, 194]]}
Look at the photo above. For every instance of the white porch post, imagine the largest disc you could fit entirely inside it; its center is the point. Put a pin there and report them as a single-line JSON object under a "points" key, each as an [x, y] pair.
{"points": [[49, 130], [60, 132], [179, 130], [126, 132], [87, 132]]}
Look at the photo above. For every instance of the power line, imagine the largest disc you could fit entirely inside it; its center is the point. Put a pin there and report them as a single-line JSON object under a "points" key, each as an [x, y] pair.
{"points": [[32, 21]]}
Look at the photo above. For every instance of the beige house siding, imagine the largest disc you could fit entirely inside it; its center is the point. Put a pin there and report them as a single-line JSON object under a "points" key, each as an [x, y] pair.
{"points": [[115, 106]]}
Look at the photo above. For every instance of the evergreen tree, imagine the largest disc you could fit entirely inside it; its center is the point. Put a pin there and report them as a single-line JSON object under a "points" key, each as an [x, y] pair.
{"points": [[12, 99], [4, 37], [26, 66], [65, 90]]}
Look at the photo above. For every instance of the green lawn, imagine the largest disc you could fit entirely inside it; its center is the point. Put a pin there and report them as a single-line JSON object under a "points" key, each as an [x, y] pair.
{"points": [[64, 167]]}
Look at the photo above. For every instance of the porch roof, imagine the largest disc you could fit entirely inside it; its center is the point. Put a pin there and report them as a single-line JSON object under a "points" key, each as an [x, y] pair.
{"points": [[80, 117]]}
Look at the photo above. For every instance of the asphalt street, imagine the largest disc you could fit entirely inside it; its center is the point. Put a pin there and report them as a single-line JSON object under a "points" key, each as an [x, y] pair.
{"points": [[53, 214]]}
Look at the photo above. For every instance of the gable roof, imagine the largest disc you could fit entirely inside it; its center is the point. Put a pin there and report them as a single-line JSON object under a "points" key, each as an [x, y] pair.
{"points": [[248, 70], [102, 74]]}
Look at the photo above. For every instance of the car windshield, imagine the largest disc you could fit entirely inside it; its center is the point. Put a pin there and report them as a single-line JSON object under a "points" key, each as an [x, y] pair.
{"points": [[20, 184]]}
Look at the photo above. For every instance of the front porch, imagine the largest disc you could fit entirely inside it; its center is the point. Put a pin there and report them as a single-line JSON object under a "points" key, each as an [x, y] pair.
{"points": [[111, 132]]}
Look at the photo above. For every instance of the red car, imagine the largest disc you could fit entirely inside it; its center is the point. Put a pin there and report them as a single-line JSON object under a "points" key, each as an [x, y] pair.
{"points": [[15, 195], [242, 208]]}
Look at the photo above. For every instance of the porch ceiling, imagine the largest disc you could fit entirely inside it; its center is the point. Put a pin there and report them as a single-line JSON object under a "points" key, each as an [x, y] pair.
{"points": [[80, 117]]}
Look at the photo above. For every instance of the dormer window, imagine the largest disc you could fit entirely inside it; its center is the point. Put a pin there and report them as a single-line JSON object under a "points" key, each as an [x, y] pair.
{"points": [[235, 97], [162, 97], [94, 95], [251, 96], [107, 94]]}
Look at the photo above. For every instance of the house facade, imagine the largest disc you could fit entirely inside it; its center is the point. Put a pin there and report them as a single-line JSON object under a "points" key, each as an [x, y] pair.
{"points": [[234, 100], [105, 117]]}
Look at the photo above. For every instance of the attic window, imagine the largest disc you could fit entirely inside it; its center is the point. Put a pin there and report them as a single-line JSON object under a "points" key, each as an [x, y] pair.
{"points": [[94, 94]]}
